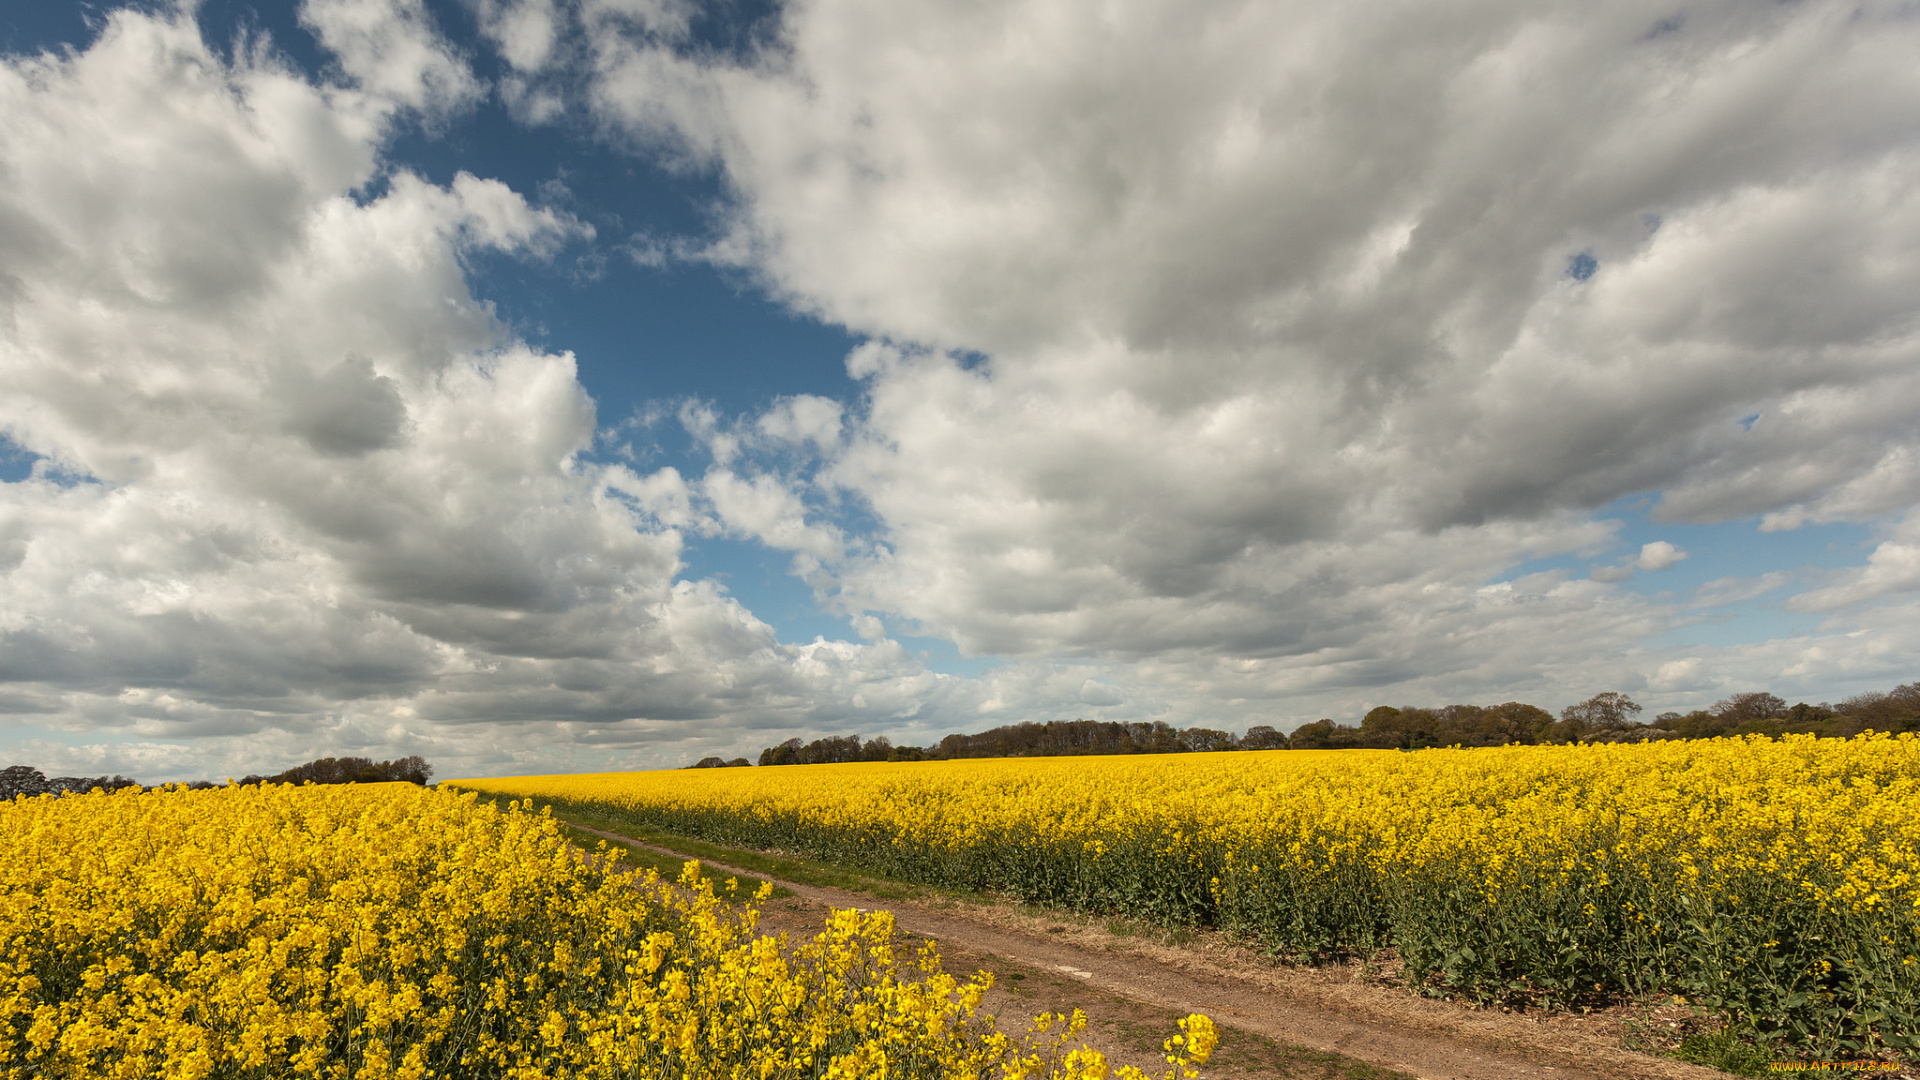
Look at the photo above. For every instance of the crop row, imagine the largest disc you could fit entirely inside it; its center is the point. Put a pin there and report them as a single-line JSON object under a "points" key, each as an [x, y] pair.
{"points": [[390, 931], [1772, 880]]}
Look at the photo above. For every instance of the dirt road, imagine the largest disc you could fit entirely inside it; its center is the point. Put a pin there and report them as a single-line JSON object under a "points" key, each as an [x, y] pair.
{"points": [[1277, 1021]]}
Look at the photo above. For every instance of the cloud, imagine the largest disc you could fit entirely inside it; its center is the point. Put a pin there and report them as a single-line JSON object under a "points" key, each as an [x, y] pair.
{"points": [[1269, 335], [1231, 361], [1734, 590], [300, 492], [1892, 569], [1658, 555], [391, 49], [762, 507], [525, 32], [1678, 675]]}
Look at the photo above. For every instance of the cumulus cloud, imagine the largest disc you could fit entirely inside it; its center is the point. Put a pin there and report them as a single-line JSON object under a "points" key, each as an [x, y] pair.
{"points": [[391, 49], [299, 492], [1658, 555], [1893, 569], [1228, 362], [525, 32], [1674, 675], [1270, 334]]}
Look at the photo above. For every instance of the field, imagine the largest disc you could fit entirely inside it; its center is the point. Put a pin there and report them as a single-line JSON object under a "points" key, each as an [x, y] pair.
{"points": [[392, 931], [1772, 881]]}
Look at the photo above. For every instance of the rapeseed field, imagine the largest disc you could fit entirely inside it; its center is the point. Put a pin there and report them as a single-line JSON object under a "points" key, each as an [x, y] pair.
{"points": [[1772, 881], [387, 931]]}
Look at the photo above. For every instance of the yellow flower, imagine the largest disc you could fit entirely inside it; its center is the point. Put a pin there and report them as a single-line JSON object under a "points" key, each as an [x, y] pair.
{"points": [[392, 931], [1557, 868]]}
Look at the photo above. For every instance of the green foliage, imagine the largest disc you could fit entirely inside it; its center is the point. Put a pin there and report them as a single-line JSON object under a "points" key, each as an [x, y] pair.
{"points": [[351, 770], [1728, 1050]]}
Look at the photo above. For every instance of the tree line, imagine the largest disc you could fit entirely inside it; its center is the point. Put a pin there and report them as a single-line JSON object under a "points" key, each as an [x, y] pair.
{"points": [[350, 770], [1607, 717], [1615, 717], [19, 780], [1056, 738]]}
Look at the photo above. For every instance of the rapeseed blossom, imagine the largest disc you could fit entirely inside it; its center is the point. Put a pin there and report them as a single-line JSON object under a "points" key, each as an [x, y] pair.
{"points": [[1774, 880], [387, 931]]}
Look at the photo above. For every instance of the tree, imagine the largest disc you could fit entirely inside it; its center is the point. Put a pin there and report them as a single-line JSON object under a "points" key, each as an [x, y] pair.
{"points": [[832, 750], [1206, 740], [1388, 728], [1516, 722], [1750, 708], [1315, 736], [1379, 718], [1262, 737], [1158, 737], [18, 780], [787, 753], [1602, 713], [1324, 734], [1460, 725], [1895, 711], [355, 770]]}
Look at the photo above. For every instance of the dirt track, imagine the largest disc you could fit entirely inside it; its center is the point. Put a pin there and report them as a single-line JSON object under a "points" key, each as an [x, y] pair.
{"points": [[1274, 1016]]}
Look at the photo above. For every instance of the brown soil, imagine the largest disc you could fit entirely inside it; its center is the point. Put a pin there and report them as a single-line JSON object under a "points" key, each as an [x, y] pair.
{"points": [[1353, 1021]]}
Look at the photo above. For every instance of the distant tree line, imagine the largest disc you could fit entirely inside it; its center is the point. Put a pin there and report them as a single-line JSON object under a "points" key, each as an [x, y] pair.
{"points": [[18, 780], [1606, 717], [1056, 738], [1614, 717], [21, 780], [719, 763], [351, 770]]}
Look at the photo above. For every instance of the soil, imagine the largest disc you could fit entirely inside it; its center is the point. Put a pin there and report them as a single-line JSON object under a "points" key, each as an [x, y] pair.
{"points": [[1355, 1022]]}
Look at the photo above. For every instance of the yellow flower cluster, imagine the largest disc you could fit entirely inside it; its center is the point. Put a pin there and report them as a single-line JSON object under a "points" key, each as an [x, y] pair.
{"points": [[1775, 879], [390, 931]]}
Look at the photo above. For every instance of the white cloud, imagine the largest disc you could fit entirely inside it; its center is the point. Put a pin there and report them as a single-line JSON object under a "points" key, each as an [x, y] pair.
{"points": [[803, 418], [762, 507], [301, 493], [1101, 694], [1658, 555], [526, 32], [1674, 675], [1229, 362], [1892, 569], [1734, 590], [391, 49], [1301, 323]]}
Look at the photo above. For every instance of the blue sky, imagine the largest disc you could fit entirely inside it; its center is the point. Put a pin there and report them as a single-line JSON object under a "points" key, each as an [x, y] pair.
{"points": [[645, 337], [1721, 552], [554, 384]]}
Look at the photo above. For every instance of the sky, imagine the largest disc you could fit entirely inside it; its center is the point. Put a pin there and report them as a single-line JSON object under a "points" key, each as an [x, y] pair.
{"points": [[568, 385]]}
